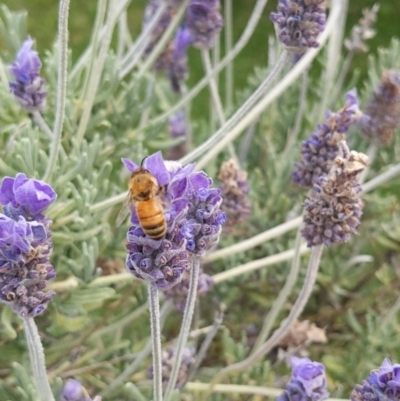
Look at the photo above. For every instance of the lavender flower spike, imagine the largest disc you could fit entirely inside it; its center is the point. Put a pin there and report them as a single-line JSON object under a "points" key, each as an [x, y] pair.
{"points": [[382, 115], [308, 382], [382, 384], [177, 128], [28, 85], [74, 391], [235, 192], [25, 245], [333, 210], [319, 151], [298, 23], [178, 70], [193, 220], [204, 21]]}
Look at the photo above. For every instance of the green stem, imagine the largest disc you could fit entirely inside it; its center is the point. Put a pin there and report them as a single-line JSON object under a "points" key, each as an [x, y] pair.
{"points": [[154, 304], [185, 327], [283, 294], [285, 325], [37, 359], [61, 87]]}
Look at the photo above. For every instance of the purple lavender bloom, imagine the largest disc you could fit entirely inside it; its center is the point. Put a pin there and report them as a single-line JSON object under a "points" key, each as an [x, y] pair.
{"points": [[204, 21], [178, 70], [74, 391], [333, 210], [299, 22], [382, 384], [193, 223], [382, 115], [178, 293], [235, 193], [28, 85], [168, 359], [319, 151], [308, 382], [25, 245]]}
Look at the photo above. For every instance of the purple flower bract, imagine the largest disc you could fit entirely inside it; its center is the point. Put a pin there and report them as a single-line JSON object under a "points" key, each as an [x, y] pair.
{"points": [[25, 245], [308, 382], [28, 85], [193, 222]]}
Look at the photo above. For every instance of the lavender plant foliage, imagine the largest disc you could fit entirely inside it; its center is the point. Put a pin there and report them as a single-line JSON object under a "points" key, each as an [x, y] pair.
{"points": [[178, 293], [168, 359], [74, 391], [333, 210], [299, 22], [319, 151], [382, 384], [25, 245], [382, 115], [28, 85], [193, 219], [235, 193], [308, 382], [204, 21]]}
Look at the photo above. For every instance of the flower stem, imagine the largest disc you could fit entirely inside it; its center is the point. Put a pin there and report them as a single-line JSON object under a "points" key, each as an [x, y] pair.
{"points": [[283, 294], [240, 44], [61, 87], [285, 325], [186, 322], [235, 125], [95, 74], [37, 359], [156, 341], [256, 240], [243, 110]]}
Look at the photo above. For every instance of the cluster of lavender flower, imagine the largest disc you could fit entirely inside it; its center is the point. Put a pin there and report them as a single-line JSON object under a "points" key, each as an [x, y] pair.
{"points": [[308, 383], [25, 244], [202, 23], [194, 222]]}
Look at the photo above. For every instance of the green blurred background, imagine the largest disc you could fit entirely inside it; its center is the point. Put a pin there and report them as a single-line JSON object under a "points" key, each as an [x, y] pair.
{"points": [[42, 26]]}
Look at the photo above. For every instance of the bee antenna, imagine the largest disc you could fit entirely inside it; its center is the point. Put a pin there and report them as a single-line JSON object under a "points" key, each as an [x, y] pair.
{"points": [[141, 164]]}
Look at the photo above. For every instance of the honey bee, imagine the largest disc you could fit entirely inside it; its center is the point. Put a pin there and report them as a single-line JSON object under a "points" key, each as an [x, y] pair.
{"points": [[148, 199]]}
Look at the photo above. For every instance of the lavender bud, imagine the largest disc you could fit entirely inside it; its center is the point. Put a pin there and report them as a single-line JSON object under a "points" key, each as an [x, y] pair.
{"points": [[382, 115], [298, 23], [382, 384], [204, 21], [178, 69], [363, 31], [163, 261], [179, 292], [319, 151], [25, 245], [308, 382], [74, 391], [332, 212], [235, 192], [168, 359], [28, 86]]}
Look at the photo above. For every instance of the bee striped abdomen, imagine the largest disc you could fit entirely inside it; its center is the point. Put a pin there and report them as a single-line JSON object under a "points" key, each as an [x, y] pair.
{"points": [[151, 217]]}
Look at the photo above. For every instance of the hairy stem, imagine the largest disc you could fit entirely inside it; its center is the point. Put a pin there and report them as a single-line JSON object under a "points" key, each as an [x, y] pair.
{"points": [[185, 327], [62, 77], [37, 360], [286, 324], [156, 341]]}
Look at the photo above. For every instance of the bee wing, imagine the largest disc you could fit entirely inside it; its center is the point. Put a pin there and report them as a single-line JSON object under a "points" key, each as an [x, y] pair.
{"points": [[165, 202], [125, 209]]}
